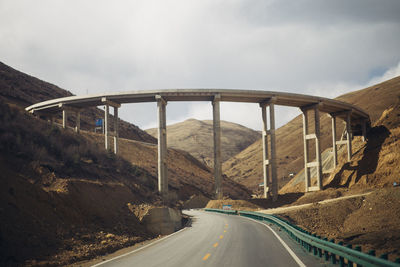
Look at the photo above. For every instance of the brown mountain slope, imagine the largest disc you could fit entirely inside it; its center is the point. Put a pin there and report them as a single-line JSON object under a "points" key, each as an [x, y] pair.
{"points": [[63, 197], [59, 191], [371, 221], [195, 137], [246, 168], [22, 90], [186, 175]]}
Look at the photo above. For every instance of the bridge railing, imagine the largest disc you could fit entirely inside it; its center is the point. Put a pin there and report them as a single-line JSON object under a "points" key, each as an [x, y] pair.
{"points": [[337, 253]]}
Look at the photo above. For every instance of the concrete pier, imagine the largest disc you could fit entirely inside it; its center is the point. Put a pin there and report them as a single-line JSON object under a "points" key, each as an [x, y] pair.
{"points": [[334, 147], [65, 118], [349, 135], [307, 137], [78, 121], [162, 148], [269, 151], [106, 127], [116, 130], [217, 147], [364, 130]]}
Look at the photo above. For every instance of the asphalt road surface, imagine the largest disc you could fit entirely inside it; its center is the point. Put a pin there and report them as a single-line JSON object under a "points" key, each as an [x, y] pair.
{"points": [[218, 240]]}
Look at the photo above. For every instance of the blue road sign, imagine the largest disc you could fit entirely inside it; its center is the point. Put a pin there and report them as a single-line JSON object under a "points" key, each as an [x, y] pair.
{"points": [[99, 122]]}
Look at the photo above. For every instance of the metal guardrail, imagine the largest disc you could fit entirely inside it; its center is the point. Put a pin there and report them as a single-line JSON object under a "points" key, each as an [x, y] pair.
{"points": [[320, 247]]}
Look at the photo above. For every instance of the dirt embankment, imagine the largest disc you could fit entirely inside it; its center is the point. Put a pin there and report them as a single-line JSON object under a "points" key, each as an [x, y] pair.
{"points": [[62, 198], [371, 221]]}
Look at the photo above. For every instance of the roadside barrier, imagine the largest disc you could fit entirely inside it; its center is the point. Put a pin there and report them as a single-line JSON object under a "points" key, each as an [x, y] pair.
{"points": [[336, 253]]}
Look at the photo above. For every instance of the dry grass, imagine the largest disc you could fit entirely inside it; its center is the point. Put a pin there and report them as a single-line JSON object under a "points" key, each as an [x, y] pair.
{"points": [[246, 167]]}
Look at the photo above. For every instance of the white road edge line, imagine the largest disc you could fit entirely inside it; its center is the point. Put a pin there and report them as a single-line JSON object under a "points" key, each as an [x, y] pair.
{"points": [[136, 250], [298, 261]]}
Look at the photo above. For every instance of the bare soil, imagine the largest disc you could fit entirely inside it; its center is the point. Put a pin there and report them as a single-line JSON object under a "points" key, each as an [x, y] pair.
{"points": [[246, 167], [371, 221]]}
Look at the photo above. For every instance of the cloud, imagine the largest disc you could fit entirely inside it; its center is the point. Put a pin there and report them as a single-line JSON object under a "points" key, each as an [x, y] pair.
{"points": [[312, 47]]}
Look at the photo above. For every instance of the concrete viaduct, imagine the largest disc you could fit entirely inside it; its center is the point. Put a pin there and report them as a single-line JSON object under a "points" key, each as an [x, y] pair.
{"points": [[356, 123]]}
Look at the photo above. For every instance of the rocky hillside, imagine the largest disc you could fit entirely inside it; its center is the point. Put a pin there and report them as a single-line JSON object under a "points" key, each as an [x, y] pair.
{"points": [[63, 197], [246, 167], [22, 90], [60, 192], [195, 137]]}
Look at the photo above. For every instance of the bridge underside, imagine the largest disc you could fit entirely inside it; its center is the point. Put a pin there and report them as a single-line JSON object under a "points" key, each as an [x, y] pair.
{"points": [[357, 122]]}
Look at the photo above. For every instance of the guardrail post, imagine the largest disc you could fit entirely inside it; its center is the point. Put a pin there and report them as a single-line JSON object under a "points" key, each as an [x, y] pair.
{"points": [[384, 256], [162, 148], [341, 259], [358, 248], [326, 253], [333, 256], [349, 263], [217, 146]]}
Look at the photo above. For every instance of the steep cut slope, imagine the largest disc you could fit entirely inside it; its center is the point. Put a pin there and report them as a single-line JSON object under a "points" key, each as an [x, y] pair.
{"points": [[194, 137], [22, 90], [246, 167], [60, 192]]}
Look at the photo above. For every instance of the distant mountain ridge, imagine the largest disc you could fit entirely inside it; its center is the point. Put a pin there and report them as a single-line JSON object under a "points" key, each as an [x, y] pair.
{"points": [[196, 137]]}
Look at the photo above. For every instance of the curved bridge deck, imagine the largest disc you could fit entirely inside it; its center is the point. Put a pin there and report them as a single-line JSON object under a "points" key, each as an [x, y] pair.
{"points": [[357, 121]]}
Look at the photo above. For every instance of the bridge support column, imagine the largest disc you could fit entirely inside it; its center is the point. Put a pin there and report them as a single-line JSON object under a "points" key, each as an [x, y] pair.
{"points": [[306, 137], [116, 130], [106, 127], [107, 102], [162, 148], [269, 152], [334, 147], [217, 147], [78, 122], [349, 135], [65, 118], [364, 130]]}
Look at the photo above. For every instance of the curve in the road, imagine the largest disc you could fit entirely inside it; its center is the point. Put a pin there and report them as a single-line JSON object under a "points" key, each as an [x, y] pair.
{"points": [[218, 240]]}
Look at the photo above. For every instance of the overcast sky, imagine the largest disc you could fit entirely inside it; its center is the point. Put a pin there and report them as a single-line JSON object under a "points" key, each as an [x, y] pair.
{"points": [[323, 48]]}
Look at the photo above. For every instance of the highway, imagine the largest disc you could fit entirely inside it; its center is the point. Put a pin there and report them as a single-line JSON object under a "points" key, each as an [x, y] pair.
{"points": [[218, 240]]}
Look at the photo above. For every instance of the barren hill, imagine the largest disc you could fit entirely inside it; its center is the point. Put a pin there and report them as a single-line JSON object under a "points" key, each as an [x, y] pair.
{"points": [[63, 197], [246, 167], [195, 137], [22, 90]]}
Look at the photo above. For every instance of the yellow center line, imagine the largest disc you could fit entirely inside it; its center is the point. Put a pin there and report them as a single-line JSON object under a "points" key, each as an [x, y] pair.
{"points": [[206, 256], [221, 236], [215, 245]]}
